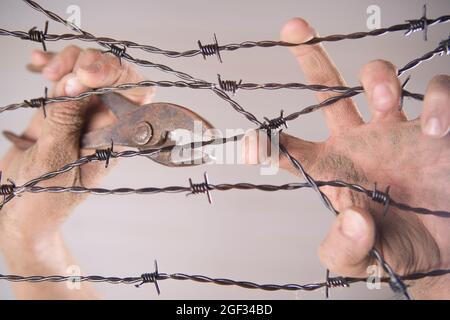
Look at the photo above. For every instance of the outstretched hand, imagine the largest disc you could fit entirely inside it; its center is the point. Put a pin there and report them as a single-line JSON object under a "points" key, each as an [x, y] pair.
{"points": [[412, 157]]}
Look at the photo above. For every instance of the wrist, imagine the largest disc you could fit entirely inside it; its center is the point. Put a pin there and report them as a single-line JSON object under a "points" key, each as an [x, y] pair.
{"points": [[23, 242], [25, 228]]}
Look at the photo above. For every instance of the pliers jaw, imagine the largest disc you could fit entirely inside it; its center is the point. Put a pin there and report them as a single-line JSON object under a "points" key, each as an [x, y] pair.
{"points": [[152, 126]]}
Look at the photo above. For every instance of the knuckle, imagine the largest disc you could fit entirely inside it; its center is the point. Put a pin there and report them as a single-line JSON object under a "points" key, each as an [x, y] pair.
{"points": [[72, 49], [124, 73], [56, 59], [92, 51], [380, 64], [89, 55], [68, 116], [442, 79]]}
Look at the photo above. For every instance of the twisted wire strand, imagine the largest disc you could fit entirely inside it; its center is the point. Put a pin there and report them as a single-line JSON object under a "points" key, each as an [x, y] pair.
{"points": [[10, 191], [87, 37], [98, 156], [332, 281], [395, 282], [219, 187], [201, 86]]}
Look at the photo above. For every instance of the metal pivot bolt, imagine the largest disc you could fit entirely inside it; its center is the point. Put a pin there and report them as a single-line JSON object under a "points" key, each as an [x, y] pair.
{"points": [[142, 134]]}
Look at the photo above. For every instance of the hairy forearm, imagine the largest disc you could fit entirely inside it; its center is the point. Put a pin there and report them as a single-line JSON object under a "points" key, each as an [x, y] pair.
{"points": [[48, 256]]}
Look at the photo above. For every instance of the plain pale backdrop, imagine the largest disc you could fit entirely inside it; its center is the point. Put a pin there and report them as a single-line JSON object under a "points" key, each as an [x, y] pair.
{"points": [[254, 236]]}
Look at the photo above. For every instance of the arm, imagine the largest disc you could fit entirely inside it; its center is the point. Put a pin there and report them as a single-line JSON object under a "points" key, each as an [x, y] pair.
{"points": [[48, 256]]}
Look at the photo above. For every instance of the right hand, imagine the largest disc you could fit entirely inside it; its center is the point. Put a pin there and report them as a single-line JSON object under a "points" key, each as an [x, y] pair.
{"points": [[35, 217]]}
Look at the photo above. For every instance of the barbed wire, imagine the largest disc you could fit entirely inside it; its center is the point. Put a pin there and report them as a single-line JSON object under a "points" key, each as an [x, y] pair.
{"points": [[233, 86], [372, 194], [395, 280], [156, 276], [410, 26], [229, 85], [11, 190]]}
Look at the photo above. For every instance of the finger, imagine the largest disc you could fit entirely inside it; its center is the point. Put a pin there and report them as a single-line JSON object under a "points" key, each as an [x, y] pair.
{"points": [[257, 149], [98, 116], [96, 69], [383, 90], [435, 119], [319, 69], [59, 138], [345, 250], [39, 59], [62, 63], [67, 122], [69, 85]]}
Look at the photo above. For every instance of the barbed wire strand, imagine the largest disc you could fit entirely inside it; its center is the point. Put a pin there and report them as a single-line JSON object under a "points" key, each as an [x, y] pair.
{"points": [[410, 26], [156, 276], [11, 190]]}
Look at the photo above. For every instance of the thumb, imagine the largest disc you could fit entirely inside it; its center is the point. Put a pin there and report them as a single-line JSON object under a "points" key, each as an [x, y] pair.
{"points": [[59, 139], [345, 250], [257, 149]]}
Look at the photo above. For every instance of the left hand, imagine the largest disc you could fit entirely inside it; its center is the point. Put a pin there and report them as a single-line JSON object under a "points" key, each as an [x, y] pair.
{"points": [[413, 157]]}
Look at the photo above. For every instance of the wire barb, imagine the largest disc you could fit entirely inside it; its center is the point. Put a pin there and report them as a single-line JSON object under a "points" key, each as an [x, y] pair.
{"points": [[381, 197], [38, 35], [105, 154], [275, 123], [151, 278], [39, 102], [333, 282], [419, 24], [203, 187], [6, 189], [118, 51], [228, 85], [445, 44], [210, 49]]}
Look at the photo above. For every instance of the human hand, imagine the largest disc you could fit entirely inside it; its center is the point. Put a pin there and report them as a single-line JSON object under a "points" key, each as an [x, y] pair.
{"points": [[36, 217], [413, 157]]}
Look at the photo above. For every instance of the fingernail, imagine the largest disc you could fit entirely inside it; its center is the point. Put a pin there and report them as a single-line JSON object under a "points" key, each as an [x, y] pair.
{"points": [[92, 68], [52, 68], [353, 224], [73, 86], [433, 127], [382, 97]]}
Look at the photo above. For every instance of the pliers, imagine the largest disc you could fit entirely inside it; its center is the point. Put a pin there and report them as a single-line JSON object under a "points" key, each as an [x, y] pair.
{"points": [[150, 126]]}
